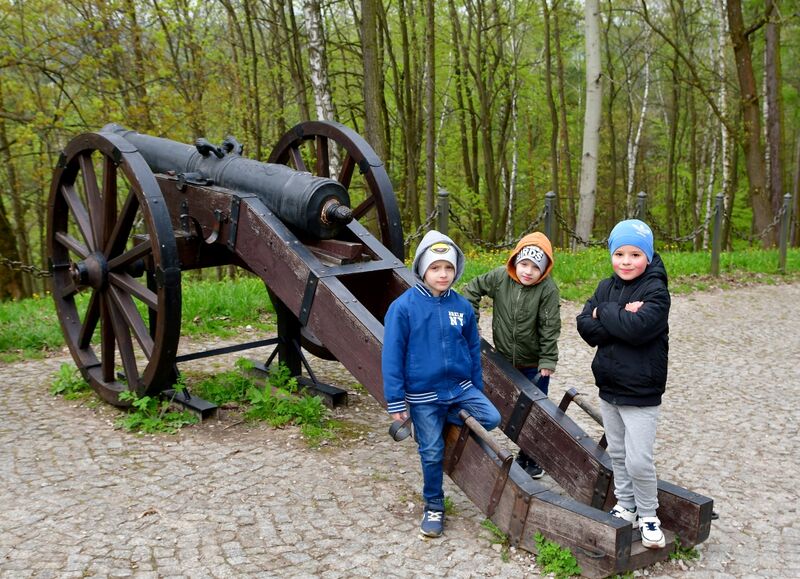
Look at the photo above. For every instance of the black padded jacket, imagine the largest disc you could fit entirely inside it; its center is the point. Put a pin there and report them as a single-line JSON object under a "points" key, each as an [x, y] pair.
{"points": [[630, 365]]}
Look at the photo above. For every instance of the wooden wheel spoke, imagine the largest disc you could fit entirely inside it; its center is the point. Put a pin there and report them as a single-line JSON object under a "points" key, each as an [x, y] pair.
{"points": [[69, 290], [89, 321], [138, 251], [323, 159], [93, 200], [297, 158], [107, 341], [346, 174], [127, 283], [72, 244], [122, 228], [109, 197], [123, 338], [80, 214], [363, 207], [133, 319]]}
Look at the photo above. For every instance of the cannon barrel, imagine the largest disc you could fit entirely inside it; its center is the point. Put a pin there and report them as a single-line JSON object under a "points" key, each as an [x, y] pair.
{"points": [[316, 205]]}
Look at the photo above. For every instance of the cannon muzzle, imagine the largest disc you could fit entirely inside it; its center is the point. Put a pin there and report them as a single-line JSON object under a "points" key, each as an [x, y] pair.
{"points": [[316, 205]]}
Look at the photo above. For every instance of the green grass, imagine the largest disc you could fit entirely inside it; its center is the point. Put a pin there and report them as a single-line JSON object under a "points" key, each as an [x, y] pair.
{"points": [[577, 273], [30, 327]]}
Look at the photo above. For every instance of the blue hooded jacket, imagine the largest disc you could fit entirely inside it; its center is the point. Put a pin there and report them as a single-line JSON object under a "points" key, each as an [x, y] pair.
{"points": [[431, 346]]}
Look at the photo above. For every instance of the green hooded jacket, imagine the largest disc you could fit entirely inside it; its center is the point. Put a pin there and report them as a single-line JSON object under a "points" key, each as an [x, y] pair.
{"points": [[526, 322]]}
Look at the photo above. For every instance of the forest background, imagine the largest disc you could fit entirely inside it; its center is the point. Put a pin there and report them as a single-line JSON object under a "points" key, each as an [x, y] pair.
{"points": [[495, 101]]}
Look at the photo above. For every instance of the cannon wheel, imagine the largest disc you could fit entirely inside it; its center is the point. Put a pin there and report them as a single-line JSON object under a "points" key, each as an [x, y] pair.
{"points": [[104, 234], [374, 202]]}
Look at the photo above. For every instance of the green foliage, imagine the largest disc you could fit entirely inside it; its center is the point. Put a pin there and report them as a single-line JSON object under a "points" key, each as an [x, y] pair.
{"points": [[151, 415], [278, 404], [224, 388], [69, 383], [497, 537], [681, 553], [553, 558]]}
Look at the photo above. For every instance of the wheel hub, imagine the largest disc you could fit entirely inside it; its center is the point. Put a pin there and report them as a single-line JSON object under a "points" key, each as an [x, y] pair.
{"points": [[91, 272]]}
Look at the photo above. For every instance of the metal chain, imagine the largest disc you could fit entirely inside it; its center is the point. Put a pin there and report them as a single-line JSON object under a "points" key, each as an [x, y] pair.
{"points": [[574, 235], [767, 229], [651, 220], [423, 227], [488, 245], [29, 269]]}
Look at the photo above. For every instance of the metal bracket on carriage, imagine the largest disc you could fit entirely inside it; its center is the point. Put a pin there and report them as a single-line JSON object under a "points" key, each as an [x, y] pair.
{"points": [[185, 179], [336, 252], [572, 395]]}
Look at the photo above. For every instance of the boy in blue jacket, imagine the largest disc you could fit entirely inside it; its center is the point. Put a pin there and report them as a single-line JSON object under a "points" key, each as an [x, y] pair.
{"points": [[431, 364]]}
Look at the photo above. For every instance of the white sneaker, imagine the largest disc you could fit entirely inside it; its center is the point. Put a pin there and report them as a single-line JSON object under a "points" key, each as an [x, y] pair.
{"points": [[652, 535], [629, 515]]}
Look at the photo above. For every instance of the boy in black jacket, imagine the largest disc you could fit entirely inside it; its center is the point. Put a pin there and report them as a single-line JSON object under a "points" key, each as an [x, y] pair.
{"points": [[627, 319]]}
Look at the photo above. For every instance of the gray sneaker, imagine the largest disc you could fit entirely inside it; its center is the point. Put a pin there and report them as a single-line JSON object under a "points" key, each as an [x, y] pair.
{"points": [[625, 514]]}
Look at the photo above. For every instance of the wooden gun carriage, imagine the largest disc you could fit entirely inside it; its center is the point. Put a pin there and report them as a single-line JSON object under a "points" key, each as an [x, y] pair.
{"points": [[128, 213]]}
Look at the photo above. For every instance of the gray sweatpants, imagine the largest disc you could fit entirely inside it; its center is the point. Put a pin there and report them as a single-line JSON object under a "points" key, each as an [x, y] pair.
{"points": [[631, 434]]}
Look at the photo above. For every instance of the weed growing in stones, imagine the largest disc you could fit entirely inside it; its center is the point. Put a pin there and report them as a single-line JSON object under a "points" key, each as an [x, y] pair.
{"points": [[553, 558]]}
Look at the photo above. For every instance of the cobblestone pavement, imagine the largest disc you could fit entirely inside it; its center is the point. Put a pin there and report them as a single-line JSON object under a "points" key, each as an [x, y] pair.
{"points": [[224, 499]]}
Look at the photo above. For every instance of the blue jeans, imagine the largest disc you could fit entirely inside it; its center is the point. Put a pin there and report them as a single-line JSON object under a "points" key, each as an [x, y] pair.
{"points": [[429, 421], [544, 381]]}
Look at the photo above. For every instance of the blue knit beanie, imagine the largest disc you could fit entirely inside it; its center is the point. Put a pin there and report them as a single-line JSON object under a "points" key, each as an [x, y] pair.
{"points": [[632, 232]]}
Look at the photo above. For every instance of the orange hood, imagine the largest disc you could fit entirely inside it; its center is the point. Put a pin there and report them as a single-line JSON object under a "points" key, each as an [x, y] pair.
{"points": [[540, 240]]}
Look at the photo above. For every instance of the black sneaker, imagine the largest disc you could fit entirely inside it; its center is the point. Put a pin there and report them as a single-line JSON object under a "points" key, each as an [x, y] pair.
{"points": [[432, 524], [530, 466], [534, 470]]}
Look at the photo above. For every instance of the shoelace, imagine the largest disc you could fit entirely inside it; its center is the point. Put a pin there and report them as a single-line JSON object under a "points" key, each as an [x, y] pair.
{"points": [[434, 516], [651, 526]]}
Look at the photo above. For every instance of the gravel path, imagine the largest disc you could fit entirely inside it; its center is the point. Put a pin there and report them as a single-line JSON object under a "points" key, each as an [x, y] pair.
{"points": [[82, 499]]}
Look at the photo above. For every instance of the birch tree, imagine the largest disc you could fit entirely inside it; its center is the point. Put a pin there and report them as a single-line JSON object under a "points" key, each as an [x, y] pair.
{"points": [[318, 61], [591, 123]]}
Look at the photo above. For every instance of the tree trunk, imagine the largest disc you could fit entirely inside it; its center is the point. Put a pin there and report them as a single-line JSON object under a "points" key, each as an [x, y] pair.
{"points": [[551, 103], [565, 155], [318, 61], [373, 126], [772, 70], [430, 109], [591, 123], [633, 143], [753, 150]]}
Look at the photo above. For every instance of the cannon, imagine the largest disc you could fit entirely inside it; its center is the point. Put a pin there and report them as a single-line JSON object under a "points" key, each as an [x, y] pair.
{"points": [[128, 213]]}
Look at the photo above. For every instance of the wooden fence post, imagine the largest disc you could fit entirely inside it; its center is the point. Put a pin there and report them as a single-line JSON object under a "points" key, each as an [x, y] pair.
{"points": [[716, 240], [786, 219]]}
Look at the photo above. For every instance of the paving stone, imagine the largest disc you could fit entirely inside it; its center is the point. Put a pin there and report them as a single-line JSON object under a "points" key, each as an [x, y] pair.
{"points": [[219, 499]]}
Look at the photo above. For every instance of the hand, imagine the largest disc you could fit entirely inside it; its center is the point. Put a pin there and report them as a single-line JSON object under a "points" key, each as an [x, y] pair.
{"points": [[402, 416], [546, 372], [633, 307]]}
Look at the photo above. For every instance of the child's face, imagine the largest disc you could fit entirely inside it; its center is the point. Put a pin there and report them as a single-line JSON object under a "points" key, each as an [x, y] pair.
{"points": [[629, 262], [439, 276], [527, 272]]}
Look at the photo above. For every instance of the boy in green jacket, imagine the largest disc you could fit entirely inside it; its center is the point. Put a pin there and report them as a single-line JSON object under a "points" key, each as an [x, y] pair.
{"points": [[526, 322]]}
